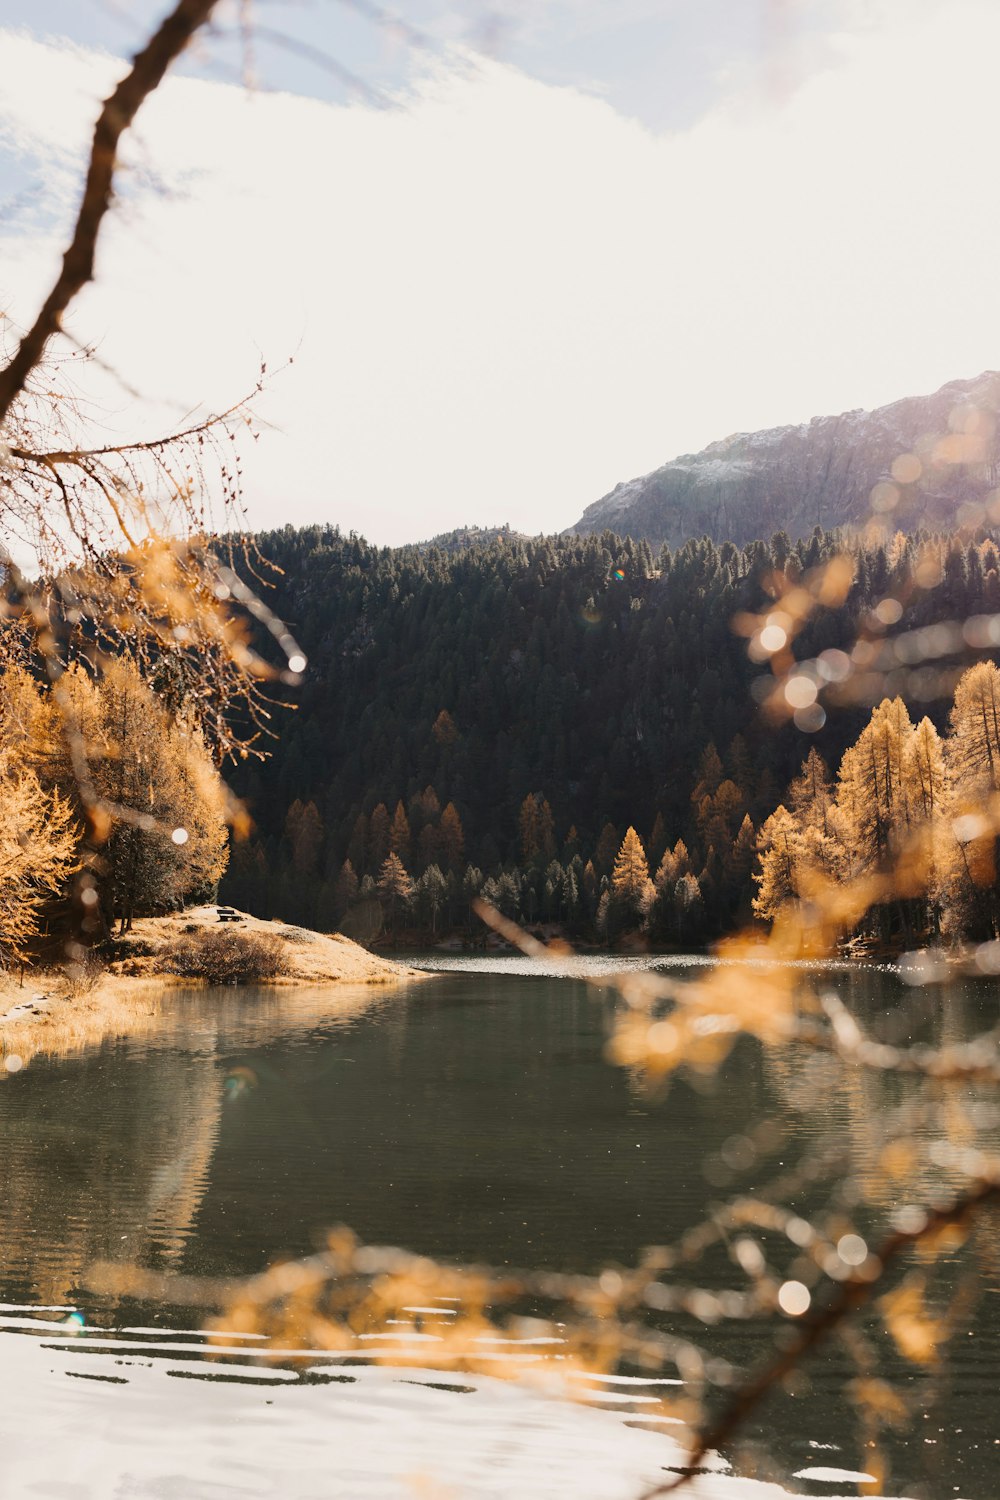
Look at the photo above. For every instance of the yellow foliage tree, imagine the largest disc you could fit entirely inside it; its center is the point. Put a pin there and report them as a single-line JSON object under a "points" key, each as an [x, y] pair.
{"points": [[873, 791], [38, 843], [160, 826], [974, 748], [968, 869], [780, 848], [632, 891]]}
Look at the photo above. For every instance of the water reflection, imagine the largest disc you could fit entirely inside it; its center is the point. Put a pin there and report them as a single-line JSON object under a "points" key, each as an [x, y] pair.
{"points": [[103, 1162], [472, 1118], [107, 1157]]}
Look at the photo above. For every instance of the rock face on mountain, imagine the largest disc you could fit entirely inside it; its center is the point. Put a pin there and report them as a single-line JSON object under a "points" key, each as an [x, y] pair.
{"points": [[926, 461]]}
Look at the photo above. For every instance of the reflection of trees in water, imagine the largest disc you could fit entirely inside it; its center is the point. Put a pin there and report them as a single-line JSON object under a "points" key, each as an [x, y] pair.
{"points": [[104, 1162], [108, 1158], [858, 1109]]}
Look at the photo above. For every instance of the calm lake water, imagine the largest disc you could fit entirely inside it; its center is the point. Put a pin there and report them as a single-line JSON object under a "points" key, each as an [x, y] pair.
{"points": [[473, 1117]]}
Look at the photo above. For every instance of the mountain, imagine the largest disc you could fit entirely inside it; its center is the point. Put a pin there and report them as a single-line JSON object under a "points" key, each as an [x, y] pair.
{"points": [[915, 463]]}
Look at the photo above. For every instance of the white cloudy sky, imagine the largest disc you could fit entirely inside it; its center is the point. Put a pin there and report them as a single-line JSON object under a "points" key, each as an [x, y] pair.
{"points": [[553, 246]]}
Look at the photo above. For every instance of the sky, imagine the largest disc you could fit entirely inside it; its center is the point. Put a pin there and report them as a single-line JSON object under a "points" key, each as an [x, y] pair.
{"points": [[502, 256]]}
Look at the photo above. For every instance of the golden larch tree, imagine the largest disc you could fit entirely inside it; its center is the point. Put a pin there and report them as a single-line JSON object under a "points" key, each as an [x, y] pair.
{"points": [[38, 854]]}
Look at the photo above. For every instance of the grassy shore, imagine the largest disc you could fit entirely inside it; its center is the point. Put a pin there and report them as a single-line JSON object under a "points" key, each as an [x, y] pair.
{"points": [[48, 1012]]}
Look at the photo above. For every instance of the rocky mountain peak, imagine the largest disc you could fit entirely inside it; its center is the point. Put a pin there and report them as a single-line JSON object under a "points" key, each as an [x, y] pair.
{"points": [[925, 461]]}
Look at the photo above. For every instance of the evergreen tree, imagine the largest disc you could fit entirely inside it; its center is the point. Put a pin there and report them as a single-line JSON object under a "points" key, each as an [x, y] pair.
{"points": [[399, 833], [631, 888], [452, 838], [379, 835], [345, 890], [395, 888], [429, 894]]}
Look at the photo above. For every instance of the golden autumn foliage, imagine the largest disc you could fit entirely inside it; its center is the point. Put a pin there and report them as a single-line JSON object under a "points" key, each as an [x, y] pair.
{"points": [[39, 839], [101, 780], [909, 826], [631, 893]]}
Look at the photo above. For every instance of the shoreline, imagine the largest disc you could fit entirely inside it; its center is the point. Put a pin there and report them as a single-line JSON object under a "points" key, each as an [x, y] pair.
{"points": [[48, 1013]]}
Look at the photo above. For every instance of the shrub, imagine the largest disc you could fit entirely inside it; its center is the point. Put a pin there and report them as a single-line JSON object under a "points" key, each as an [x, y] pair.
{"points": [[84, 974], [118, 948], [227, 957]]}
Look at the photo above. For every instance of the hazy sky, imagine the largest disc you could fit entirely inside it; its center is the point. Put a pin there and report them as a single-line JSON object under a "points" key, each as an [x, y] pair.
{"points": [[519, 250]]}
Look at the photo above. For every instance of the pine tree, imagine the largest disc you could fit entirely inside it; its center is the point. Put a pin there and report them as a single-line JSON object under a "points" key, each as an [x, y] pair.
{"points": [[395, 888], [305, 830], [874, 813], [571, 845], [378, 838], [974, 743], [357, 848], [429, 845], [399, 833], [710, 774], [631, 888], [452, 838], [657, 840], [429, 894], [741, 864], [779, 845], [444, 730], [607, 847], [689, 910], [345, 889], [810, 795], [546, 830], [158, 802], [967, 872], [529, 830]]}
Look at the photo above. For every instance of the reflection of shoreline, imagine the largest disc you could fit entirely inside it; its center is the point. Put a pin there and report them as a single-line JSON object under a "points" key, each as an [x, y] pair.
{"points": [[155, 1012]]}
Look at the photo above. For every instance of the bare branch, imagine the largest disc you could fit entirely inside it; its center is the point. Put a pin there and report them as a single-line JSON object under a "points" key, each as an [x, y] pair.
{"points": [[148, 69]]}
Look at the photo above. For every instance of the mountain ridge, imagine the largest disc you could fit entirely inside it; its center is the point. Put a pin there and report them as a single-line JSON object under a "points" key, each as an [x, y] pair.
{"points": [[924, 457]]}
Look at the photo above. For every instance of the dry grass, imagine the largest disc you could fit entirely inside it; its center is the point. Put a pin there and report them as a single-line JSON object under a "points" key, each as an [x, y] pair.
{"points": [[226, 955], [65, 1021]]}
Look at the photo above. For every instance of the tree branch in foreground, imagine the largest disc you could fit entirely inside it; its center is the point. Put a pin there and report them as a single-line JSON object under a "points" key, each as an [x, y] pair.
{"points": [[853, 1294], [148, 69]]}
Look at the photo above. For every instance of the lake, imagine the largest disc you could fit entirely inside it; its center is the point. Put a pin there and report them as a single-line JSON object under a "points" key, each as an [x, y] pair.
{"points": [[471, 1117]]}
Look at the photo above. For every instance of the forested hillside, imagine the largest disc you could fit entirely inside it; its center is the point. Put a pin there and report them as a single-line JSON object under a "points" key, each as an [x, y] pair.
{"points": [[504, 712]]}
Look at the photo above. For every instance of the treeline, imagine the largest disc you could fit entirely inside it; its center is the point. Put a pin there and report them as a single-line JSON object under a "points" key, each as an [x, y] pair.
{"points": [[496, 718], [110, 806]]}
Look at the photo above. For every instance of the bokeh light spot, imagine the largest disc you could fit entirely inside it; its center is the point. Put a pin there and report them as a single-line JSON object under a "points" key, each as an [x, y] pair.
{"points": [[794, 1298], [800, 691], [773, 638], [852, 1249]]}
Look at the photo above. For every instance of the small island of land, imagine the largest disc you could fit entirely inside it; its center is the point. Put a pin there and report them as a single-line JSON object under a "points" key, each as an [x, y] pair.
{"points": [[53, 1011]]}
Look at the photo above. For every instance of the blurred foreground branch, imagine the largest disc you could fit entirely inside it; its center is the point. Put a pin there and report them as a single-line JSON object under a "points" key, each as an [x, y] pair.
{"points": [[148, 69]]}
